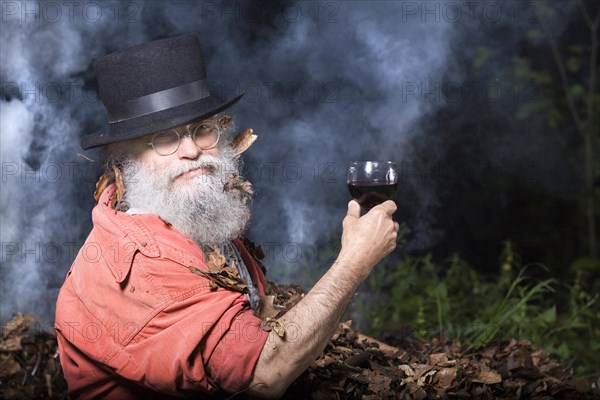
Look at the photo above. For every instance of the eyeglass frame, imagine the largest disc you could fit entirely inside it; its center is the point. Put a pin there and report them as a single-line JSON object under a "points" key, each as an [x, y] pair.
{"points": [[192, 136]]}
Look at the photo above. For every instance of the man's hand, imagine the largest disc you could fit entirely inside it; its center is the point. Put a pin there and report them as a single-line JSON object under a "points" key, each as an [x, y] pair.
{"points": [[367, 239]]}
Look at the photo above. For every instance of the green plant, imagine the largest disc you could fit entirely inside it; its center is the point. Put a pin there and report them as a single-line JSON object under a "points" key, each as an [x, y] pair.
{"points": [[453, 301]]}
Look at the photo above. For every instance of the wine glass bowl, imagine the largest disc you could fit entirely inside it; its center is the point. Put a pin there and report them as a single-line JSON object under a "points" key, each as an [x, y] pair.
{"points": [[372, 182]]}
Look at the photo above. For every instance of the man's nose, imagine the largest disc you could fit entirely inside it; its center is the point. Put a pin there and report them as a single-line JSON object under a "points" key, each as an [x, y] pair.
{"points": [[188, 149]]}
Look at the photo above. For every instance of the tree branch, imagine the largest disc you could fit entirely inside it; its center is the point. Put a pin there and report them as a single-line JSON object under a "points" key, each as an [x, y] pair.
{"points": [[591, 118], [586, 16], [561, 69], [593, 73]]}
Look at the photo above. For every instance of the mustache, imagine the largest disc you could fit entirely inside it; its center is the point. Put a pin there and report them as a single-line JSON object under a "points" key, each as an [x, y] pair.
{"points": [[211, 164]]}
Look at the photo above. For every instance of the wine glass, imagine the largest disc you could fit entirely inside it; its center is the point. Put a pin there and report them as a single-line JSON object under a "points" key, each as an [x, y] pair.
{"points": [[372, 182]]}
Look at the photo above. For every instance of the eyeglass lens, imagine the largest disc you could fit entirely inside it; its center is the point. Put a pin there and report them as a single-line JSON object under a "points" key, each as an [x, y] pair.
{"points": [[205, 135]]}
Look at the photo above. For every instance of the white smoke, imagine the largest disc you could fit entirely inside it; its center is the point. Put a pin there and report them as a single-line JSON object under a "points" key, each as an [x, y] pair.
{"points": [[359, 64], [325, 83], [45, 106]]}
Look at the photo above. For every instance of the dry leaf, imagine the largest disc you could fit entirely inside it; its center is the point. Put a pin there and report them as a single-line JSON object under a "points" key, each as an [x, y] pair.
{"points": [[243, 141], [117, 196], [224, 120], [12, 331], [534, 373], [416, 391], [426, 378], [379, 383], [243, 188], [17, 325], [438, 358], [102, 183], [445, 377], [215, 260], [408, 371], [212, 285], [390, 350], [227, 278], [274, 325], [29, 370], [266, 308], [357, 359], [487, 377], [421, 369], [9, 367]]}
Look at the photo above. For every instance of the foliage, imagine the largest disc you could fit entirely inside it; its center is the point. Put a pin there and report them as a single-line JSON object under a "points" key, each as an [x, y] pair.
{"points": [[560, 72], [452, 301]]}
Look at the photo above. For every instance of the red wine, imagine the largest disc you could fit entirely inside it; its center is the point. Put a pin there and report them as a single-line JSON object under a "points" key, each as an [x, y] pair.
{"points": [[370, 193]]}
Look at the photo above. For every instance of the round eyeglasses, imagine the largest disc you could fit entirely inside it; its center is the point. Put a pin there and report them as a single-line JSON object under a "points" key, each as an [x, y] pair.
{"points": [[205, 135]]}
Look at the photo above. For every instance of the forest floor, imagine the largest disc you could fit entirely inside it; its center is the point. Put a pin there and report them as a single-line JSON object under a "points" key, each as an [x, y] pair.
{"points": [[352, 366]]}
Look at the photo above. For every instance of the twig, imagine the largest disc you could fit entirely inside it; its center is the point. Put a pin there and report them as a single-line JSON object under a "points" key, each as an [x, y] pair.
{"points": [[86, 158], [37, 363], [384, 347], [48, 380]]}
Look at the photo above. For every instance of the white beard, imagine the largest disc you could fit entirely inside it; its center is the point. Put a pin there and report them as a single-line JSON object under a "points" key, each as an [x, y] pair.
{"points": [[198, 207]]}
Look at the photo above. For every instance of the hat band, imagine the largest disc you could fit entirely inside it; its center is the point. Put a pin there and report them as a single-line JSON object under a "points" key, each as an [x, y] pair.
{"points": [[157, 101]]}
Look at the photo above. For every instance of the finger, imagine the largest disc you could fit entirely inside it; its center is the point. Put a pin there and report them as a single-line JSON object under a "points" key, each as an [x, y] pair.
{"points": [[353, 209], [389, 206]]}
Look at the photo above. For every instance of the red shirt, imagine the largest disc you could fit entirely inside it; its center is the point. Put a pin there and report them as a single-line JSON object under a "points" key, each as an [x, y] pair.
{"points": [[133, 321]]}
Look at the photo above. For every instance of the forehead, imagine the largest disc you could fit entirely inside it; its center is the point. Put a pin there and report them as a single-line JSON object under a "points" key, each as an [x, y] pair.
{"points": [[193, 124], [186, 128]]}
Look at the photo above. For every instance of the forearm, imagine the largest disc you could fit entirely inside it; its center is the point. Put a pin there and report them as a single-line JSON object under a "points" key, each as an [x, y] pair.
{"points": [[309, 327]]}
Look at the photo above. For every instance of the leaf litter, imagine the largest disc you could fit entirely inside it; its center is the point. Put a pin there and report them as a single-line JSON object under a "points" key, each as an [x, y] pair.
{"points": [[355, 366], [352, 365]]}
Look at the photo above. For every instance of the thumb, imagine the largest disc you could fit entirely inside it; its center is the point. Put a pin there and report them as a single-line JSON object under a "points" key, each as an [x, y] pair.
{"points": [[353, 210]]}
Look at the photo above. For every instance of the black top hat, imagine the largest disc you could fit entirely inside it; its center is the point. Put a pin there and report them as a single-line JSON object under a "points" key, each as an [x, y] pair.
{"points": [[153, 86]]}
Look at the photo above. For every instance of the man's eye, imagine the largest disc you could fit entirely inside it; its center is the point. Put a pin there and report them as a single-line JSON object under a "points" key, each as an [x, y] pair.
{"points": [[165, 138], [204, 130]]}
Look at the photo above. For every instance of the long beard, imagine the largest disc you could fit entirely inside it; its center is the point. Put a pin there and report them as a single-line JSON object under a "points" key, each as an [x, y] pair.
{"points": [[198, 207]]}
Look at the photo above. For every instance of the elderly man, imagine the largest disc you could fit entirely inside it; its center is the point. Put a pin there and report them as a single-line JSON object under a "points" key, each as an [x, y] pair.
{"points": [[161, 298]]}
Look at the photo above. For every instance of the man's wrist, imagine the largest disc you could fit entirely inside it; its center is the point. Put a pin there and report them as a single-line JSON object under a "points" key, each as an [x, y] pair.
{"points": [[353, 263]]}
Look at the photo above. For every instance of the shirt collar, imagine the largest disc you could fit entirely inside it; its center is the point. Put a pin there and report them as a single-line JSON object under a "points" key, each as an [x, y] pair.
{"points": [[132, 228]]}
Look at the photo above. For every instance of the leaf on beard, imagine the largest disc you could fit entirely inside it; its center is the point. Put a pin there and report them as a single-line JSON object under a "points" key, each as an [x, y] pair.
{"points": [[243, 140], [274, 325], [243, 188], [102, 183], [224, 120], [232, 183], [117, 196]]}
